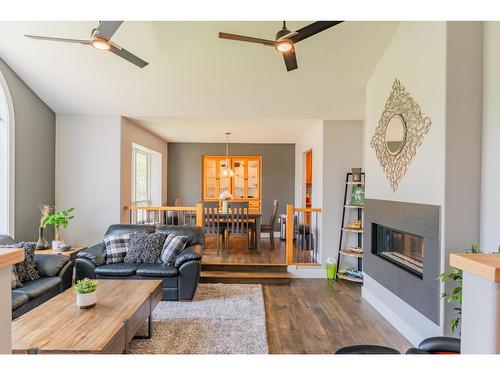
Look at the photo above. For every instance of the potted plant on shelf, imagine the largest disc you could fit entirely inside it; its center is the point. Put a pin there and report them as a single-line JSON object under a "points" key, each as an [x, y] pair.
{"points": [[86, 293], [225, 196], [58, 219]]}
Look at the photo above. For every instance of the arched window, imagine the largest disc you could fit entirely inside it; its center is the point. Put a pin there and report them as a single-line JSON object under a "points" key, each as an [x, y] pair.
{"points": [[6, 160]]}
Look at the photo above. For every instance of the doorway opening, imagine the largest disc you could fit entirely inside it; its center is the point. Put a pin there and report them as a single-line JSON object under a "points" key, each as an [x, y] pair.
{"points": [[308, 183]]}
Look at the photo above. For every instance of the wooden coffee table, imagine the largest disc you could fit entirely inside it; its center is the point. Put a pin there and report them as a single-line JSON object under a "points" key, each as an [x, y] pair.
{"points": [[59, 326]]}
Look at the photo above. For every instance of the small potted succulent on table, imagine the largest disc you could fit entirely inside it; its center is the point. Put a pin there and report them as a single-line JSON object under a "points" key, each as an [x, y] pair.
{"points": [[59, 219], [86, 293]]}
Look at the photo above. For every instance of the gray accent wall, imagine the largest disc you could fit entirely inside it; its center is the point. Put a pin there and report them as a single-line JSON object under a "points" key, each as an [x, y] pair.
{"points": [[278, 171], [34, 155]]}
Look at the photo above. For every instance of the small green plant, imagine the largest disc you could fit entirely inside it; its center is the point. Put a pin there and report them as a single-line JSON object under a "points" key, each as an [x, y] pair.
{"points": [[456, 295], [85, 286], [59, 219]]}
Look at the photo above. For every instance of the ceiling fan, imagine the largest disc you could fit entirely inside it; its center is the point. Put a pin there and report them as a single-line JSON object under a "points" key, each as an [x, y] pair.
{"points": [[285, 39], [100, 38]]}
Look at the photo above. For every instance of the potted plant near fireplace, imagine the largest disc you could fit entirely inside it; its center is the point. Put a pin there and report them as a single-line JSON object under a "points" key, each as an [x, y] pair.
{"points": [[58, 219], [86, 293]]}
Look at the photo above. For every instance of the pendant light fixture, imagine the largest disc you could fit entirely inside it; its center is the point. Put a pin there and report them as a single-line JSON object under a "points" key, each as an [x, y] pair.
{"points": [[227, 171]]}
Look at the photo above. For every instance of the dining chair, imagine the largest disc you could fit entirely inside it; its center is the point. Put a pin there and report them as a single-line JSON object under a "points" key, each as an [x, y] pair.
{"points": [[237, 222], [272, 220], [211, 222]]}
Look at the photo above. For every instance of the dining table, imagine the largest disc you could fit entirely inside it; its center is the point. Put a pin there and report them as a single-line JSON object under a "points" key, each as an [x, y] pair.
{"points": [[253, 215]]}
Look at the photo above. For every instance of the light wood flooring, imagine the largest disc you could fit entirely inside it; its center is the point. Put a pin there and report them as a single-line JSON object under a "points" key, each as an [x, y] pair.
{"points": [[241, 255], [317, 316]]}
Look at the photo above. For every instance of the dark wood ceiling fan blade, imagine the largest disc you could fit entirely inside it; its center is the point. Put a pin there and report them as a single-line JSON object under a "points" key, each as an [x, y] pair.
{"points": [[54, 39], [129, 56], [290, 60], [312, 29], [107, 29], [243, 38]]}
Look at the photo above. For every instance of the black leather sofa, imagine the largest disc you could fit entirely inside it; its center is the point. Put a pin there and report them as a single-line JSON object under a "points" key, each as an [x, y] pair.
{"points": [[180, 279], [56, 273]]}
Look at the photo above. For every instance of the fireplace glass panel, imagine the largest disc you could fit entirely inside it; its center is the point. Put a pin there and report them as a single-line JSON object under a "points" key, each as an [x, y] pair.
{"points": [[404, 249]]}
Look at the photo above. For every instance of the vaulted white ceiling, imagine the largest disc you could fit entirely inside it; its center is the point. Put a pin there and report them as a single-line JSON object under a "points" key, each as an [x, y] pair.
{"points": [[192, 73]]}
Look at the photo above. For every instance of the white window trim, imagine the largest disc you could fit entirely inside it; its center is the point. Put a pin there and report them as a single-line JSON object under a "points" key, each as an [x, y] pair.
{"points": [[10, 155], [149, 152]]}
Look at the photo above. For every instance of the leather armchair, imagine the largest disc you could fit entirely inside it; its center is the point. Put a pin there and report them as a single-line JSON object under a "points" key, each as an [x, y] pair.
{"points": [[180, 278]]}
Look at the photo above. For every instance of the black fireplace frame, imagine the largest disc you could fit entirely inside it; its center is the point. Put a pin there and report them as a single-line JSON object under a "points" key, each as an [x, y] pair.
{"points": [[374, 248]]}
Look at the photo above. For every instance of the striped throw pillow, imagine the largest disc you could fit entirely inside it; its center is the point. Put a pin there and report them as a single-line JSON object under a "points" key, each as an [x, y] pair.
{"points": [[116, 247], [173, 245]]}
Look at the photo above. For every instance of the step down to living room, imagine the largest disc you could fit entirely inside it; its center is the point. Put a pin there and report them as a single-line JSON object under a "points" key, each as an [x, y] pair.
{"points": [[238, 273]]}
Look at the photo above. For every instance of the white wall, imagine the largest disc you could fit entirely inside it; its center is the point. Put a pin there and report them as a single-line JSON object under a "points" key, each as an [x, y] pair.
{"points": [[88, 174], [428, 58], [132, 133], [342, 150], [490, 177], [417, 57], [337, 146]]}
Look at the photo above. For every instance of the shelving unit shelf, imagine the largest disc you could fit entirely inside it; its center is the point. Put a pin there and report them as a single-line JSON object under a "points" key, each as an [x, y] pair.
{"points": [[343, 252]]}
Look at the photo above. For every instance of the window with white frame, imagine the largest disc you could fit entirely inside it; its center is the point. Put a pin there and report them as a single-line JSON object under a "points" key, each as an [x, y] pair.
{"points": [[6, 206], [146, 176]]}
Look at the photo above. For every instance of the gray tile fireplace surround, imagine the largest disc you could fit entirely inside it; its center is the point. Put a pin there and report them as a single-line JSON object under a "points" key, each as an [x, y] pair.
{"points": [[422, 294]]}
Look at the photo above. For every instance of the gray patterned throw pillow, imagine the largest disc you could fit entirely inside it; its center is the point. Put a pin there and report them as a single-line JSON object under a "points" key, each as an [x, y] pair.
{"points": [[145, 247], [26, 270], [173, 246], [116, 247]]}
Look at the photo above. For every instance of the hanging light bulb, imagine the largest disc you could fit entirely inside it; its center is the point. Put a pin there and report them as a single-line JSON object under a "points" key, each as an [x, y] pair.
{"points": [[227, 171]]}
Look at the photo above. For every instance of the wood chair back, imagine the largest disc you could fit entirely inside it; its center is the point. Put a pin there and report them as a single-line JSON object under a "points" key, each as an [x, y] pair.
{"points": [[272, 219], [211, 218], [237, 218]]}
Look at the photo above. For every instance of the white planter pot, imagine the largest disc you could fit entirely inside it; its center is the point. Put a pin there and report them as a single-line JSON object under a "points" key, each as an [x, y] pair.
{"points": [[86, 300], [57, 244]]}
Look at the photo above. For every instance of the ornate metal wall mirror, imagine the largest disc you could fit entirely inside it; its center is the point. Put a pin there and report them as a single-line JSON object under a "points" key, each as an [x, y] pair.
{"points": [[395, 134], [399, 133]]}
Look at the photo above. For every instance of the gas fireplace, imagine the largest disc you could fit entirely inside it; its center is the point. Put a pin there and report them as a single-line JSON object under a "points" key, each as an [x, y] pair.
{"points": [[401, 248]]}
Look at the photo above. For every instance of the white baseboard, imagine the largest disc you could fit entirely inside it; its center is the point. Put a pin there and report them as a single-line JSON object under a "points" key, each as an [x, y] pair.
{"points": [[308, 272], [408, 321]]}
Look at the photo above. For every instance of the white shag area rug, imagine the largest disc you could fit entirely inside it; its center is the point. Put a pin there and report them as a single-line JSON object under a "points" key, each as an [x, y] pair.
{"points": [[222, 319]]}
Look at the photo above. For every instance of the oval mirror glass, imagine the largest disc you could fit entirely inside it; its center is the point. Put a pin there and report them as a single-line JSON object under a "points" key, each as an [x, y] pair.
{"points": [[395, 134]]}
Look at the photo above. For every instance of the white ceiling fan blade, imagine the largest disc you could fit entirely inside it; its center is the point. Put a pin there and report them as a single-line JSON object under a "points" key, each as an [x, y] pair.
{"points": [[54, 39]]}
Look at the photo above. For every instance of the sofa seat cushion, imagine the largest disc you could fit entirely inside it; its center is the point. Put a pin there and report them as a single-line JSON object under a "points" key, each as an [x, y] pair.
{"points": [[157, 270], [117, 269], [18, 299], [38, 287]]}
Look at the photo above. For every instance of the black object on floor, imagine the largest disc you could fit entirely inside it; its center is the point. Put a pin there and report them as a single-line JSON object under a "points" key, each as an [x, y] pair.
{"points": [[367, 349]]}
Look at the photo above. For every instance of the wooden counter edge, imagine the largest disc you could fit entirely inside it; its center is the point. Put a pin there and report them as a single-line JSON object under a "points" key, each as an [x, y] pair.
{"points": [[486, 266], [8, 256]]}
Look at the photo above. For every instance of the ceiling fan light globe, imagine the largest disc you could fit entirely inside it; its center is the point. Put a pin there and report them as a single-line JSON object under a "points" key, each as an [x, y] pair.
{"points": [[101, 43], [284, 45]]}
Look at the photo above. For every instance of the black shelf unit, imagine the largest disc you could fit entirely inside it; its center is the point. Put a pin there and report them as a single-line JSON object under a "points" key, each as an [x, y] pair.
{"points": [[349, 183]]}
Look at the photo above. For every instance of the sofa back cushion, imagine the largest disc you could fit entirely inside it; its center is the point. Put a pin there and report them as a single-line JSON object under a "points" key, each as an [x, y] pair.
{"points": [[50, 264], [116, 247], [144, 247], [6, 240], [119, 229], [195, 235]]}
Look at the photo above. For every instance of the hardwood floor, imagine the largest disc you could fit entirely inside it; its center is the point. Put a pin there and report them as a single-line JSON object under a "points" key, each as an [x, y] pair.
{"points": [[315, 316], [241, 255]]}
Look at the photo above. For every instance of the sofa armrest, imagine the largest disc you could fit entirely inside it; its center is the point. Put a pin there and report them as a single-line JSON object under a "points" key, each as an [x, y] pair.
{"points": [[84, 268], [194, 252], [441, 345], [96, 254], [66, 274]]}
